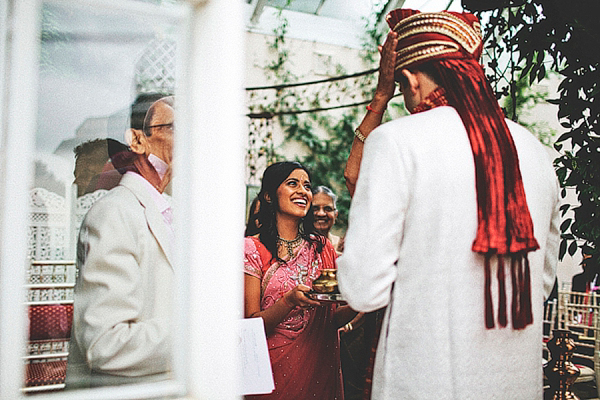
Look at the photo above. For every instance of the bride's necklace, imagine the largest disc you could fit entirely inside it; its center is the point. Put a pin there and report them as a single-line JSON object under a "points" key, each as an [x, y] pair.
{"points": [[291, 245]]}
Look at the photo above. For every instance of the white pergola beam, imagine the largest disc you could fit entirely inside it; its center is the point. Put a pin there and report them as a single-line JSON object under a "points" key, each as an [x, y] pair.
{"points": [[259, 7]]}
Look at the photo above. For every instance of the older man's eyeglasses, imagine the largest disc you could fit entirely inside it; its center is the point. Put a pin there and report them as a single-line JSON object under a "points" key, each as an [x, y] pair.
{"points": [[170, 126]]}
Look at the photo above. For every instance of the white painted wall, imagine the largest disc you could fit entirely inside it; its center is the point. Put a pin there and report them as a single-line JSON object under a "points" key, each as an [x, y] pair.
{"points": [[306, 63]]}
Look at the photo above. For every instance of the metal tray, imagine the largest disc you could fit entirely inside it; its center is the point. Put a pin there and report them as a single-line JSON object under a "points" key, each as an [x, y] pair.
{"points": [[329, 297]]}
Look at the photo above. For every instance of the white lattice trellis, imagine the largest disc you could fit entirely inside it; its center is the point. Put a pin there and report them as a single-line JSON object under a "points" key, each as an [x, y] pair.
{"points": [[155, 69], [48, 225], [52, 229], [82, 206]]}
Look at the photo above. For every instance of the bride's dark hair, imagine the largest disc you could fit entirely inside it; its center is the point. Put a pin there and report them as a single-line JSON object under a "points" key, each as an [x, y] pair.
{"points": [[273, 177]]}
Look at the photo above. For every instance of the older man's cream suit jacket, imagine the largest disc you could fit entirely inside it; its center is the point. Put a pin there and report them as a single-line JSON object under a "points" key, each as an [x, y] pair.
{"points": [[123, 296]]}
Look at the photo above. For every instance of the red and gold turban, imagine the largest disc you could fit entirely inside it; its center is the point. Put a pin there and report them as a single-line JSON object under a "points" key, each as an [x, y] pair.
{"points": [[425, 37], [451, 44]]}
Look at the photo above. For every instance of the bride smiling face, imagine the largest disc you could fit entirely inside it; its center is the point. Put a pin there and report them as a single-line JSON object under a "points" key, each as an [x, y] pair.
{"points": [[294, 195]]}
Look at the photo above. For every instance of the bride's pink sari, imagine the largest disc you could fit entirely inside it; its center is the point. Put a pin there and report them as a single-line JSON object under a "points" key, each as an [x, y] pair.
{"points": [[304, 347]]}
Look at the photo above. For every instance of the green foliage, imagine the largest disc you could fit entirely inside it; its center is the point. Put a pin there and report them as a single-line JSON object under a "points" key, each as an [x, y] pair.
{"points": [[568, 36], [276, 69], [522, 102], [326, 158]]}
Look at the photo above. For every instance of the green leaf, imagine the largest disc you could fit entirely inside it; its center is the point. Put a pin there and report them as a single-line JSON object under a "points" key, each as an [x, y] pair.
{"points": [[562, 249], [572, 248], [564, 137], [565, 225]]}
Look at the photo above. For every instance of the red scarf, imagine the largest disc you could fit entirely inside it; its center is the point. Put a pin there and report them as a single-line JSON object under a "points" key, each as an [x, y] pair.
{"points": [[505, 227], [437, 98]]}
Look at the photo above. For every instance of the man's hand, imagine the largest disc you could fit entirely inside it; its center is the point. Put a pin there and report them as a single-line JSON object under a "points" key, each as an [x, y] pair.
{"points": [[385, 83], [386, 87]]}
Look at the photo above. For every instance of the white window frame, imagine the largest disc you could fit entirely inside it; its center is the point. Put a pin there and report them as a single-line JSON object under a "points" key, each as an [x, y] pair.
{"points": [[209, 195]]}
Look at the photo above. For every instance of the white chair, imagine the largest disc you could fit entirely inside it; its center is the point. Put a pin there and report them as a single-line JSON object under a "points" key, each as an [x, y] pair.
{"points": [[579, 313], [549, 323]]}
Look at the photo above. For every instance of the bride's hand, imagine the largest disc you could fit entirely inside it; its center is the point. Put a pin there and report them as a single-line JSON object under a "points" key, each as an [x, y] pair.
{"points": [[297, 297]]}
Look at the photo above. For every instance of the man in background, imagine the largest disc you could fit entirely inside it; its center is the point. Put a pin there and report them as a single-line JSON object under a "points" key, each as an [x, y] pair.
{"points": [[123, 295], [586, 281], [324, 208], [94, 168]]}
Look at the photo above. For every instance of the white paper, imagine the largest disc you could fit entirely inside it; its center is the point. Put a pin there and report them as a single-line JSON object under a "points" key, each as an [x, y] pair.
{"points": [[257, 376]]}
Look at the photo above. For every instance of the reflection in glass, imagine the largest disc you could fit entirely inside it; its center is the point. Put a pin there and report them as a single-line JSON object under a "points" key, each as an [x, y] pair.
{"points": [[100, 300]]}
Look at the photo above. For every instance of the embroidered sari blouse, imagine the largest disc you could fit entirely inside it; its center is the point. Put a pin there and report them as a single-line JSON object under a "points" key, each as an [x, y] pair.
{"points": [[277, 278]]}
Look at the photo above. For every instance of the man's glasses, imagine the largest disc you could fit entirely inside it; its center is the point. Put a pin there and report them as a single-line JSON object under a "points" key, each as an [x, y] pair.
{"points": [[171, 126]]}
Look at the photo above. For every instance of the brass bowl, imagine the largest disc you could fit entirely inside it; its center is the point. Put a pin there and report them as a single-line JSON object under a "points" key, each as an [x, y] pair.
{"points": [[326, 282]]}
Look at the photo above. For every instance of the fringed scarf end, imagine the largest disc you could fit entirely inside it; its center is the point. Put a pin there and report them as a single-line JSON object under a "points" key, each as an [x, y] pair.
{"points": [[489, 312], [520, 276], [522, 315], [502, 319], [526, 296]]}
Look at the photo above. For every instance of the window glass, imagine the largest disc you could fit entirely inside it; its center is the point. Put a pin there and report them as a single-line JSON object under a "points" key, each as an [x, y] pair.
{"points": [[99, 295]]}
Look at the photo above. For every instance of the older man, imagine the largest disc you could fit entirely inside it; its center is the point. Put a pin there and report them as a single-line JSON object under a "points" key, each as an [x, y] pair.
{"points": [[123, 295], [325, 211], [447, 201]]}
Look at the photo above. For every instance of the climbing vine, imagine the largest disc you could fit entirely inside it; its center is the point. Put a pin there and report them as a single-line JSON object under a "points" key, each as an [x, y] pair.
{"points": [[299, 110], [522, 104]]}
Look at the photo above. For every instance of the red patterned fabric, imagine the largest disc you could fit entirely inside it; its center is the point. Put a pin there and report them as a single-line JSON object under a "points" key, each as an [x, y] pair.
{"points": [[304, 347], [453, 42], [45, 373], [52, 321], [437, 98]]}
